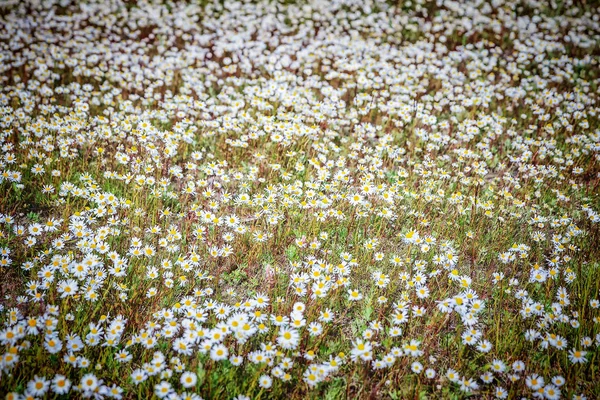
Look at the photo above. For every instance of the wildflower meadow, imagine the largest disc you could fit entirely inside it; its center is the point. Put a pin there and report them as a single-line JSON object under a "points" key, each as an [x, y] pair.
{"points": [[345, 199]]}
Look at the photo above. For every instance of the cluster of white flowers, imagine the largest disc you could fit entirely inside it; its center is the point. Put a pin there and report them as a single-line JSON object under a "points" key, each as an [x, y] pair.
{"points": [[242, 197]]}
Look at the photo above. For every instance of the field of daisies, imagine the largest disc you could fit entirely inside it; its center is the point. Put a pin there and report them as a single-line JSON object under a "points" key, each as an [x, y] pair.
{"points": [[347, 199]]}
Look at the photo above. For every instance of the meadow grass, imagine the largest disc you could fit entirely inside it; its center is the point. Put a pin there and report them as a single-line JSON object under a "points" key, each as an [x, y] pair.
{"points": [[345, 200]]}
